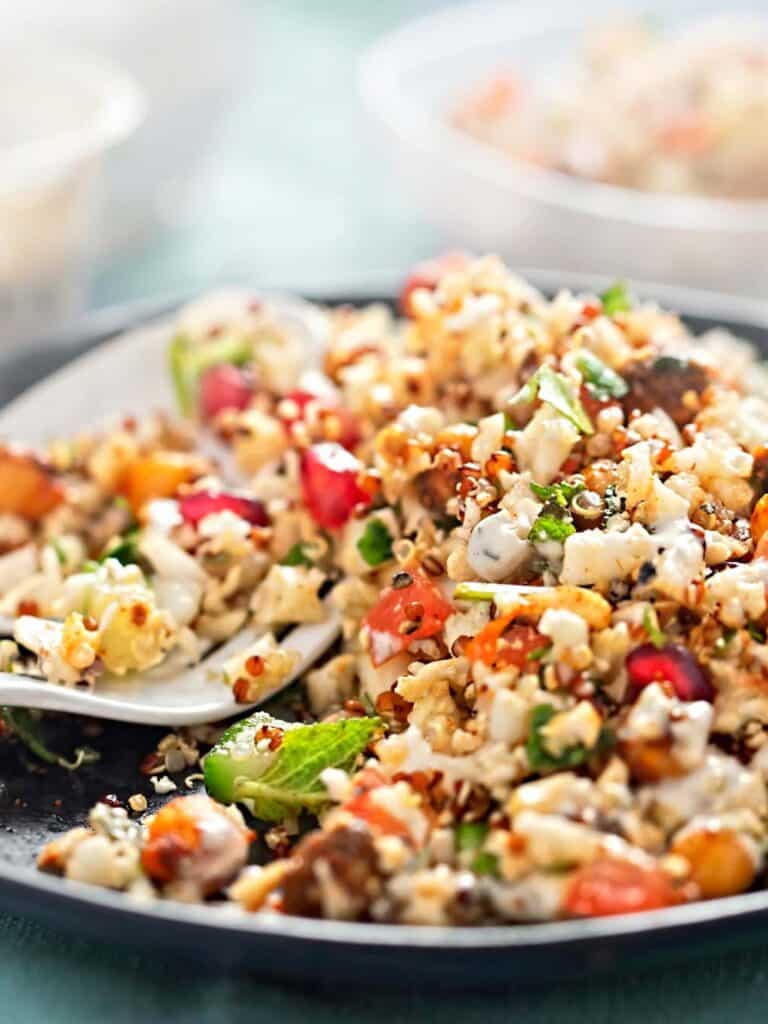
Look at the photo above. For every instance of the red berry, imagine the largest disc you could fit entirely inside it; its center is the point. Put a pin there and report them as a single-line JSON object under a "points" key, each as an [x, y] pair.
{"points": [[199, 504], [672, 664], [329, 481], [224, 387]]}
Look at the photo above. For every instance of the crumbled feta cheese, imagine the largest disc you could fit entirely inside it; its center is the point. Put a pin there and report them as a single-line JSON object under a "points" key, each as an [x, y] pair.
{"points": [[162, 784]]}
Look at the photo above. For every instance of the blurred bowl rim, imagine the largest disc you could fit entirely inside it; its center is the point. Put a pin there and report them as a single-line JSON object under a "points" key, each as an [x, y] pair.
{"points": [[450, 32], [120, 108]]}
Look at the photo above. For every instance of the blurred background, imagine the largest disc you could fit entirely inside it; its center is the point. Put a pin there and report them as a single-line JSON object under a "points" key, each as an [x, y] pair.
{"points": [[158, 147]]}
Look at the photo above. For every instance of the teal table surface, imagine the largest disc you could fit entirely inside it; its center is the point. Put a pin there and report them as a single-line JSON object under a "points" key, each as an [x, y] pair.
{"points": [[295, 193]]}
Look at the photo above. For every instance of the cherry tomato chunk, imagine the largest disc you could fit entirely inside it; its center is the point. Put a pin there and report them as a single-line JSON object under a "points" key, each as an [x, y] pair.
{"points": [[329, 483], [609, 886], [403, 614], [224, 387], [199, 504]]}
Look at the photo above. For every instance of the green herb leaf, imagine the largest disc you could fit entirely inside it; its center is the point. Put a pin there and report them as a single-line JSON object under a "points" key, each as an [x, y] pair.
{"points": [[616, 299], [552, 526], [555, 522], [539, 757], [124, 549], [562, 493], [60, 553], [275, 785], [470, 835], [296, 556], [651, 627], [25, 728], [375, 545], [601, 381], [486, 864], [756, 632], [556, 391]]}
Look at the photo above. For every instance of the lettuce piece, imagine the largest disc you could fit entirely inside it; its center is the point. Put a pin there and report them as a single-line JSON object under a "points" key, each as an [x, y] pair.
{"points": [[601, 381], [554, 389]]}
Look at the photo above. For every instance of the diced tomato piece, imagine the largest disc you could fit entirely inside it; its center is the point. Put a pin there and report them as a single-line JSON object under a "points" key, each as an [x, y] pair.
{"points": [[428, 275], [199, 504], [500, 644], [404, 614], [329, 483], [612, 886], [225, 387]]}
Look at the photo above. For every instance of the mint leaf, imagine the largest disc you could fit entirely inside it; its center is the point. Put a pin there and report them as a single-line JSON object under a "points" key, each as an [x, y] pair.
{"points": [[616, 299], [486, 864], [651, 627], [601, 381], [296, 556], [553, 388], [375, 545], [555, 522], [287, 780], [470, 835]]}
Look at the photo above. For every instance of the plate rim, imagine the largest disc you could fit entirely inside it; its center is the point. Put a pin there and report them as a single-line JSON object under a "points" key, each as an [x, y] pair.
{"points": [[27, 891]]}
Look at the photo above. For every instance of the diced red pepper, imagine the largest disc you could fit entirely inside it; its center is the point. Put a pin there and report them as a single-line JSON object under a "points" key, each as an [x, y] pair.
{"points": [[428, 275], [225, 387], [672, 664], [611, 886], [500, 644], [329, 483], [403, 614], [199, 504]]}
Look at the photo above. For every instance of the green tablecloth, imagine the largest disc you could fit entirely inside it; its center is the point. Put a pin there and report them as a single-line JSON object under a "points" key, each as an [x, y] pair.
{"points": [[300, 195]]}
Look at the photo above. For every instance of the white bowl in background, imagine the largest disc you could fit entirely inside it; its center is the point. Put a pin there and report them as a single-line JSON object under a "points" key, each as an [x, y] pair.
{"points": [[59, 114], [482, 199]]}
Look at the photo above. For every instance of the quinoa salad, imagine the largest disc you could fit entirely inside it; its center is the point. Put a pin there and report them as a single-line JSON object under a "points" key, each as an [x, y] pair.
{"points": [[671, 112], [544, 523]]}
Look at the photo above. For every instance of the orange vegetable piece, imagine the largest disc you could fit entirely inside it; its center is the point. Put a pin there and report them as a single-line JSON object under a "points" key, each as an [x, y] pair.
{"points": [[159, 475], [174, 834], [651, 760], [612, 886], [720, 862], [518, 643], [758, 523], [28, 487]]}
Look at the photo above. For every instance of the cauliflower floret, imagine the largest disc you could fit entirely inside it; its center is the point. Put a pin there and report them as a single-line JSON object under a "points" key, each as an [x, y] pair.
{"points": [[289, 594], [259, 670], [55, 643], [332, 683], [545, 444], [599, 558], [260, 439], [737, 595], [349, 557]]}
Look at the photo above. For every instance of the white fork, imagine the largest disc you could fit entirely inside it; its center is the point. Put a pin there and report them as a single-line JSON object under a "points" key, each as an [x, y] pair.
{"points": [[192, 696]]}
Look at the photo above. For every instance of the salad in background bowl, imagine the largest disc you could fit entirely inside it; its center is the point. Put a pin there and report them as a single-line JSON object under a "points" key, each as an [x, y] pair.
{"points": [[540, 188]]}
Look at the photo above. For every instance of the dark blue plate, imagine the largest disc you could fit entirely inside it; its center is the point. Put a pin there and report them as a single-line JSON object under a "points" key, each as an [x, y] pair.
{"points": [[35, 805]]}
